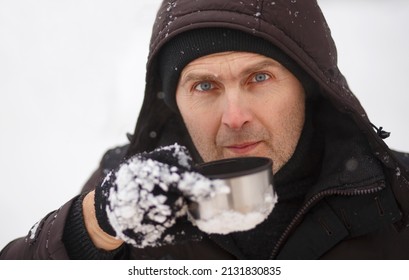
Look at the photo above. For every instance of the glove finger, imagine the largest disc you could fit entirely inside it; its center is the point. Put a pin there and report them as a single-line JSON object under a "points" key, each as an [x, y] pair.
{"points": [[173, 155]]}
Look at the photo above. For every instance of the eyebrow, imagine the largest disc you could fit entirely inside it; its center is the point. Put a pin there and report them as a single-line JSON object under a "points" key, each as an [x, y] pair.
{"points": [[210, 77], [259, 66], [198, 77]]}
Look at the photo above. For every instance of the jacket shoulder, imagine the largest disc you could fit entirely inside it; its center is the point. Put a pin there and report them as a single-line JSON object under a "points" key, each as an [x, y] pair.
{"points": [[113, 157], [403, 157], [110, 160], [43, 241]]}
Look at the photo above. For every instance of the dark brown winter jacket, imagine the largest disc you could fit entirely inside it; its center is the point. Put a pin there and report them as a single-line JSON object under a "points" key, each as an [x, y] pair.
{"points": [[359, 206]]}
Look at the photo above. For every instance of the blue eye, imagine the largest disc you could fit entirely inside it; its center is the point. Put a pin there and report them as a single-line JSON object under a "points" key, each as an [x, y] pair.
{"points": [[204, 86], [260, 77]]}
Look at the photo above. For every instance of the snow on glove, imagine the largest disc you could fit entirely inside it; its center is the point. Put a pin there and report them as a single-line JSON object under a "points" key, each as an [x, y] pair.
{"points": [[143, 202]]}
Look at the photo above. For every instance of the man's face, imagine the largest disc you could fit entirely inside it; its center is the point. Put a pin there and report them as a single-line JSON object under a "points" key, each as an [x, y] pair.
{"points": [[238, 104]]}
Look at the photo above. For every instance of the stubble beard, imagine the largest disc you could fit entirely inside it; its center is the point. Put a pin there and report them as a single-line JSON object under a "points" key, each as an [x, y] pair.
{"points": [[279, 150]]}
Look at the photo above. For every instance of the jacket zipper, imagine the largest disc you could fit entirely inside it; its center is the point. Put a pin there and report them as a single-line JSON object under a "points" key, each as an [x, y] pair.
{"points": [[313, 200]]}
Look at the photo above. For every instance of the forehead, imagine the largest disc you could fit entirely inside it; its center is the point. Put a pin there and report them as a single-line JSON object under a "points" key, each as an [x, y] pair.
{"points": [[239, 60]]}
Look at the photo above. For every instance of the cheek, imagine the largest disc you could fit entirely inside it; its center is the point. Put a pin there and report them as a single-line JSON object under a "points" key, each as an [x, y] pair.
{"points": [[197, 125], [203, 134], [200, 119], [201, 126], [285, 118], [283, 110], [292, 125]]}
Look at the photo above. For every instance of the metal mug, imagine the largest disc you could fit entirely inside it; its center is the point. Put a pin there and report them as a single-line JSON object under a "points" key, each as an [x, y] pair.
{"points": [[248, 202]]}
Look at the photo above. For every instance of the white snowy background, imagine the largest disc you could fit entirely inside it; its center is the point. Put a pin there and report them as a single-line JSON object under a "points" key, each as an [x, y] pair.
{"points": [[72, 80]]}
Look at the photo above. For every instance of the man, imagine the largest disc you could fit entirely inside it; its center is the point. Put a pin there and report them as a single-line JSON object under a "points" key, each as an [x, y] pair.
{"points": [[232, 79]]}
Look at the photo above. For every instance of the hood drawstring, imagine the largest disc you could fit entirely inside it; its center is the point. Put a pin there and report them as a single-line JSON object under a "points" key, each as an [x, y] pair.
{"points": [[381, 133], [129, 136]]}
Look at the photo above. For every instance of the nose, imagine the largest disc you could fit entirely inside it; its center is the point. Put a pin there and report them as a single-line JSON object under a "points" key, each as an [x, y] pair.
{"points": [[236, 112]]}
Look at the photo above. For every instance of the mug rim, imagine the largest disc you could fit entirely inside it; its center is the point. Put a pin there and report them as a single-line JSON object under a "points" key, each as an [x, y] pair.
{"points": [[234, 167]]}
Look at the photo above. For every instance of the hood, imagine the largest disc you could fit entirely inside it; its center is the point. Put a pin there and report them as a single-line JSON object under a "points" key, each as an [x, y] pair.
{"points": [[298, 28]]}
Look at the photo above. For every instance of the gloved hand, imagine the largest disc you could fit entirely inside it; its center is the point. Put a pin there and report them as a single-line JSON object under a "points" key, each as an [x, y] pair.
{"points": [[143, 202]]}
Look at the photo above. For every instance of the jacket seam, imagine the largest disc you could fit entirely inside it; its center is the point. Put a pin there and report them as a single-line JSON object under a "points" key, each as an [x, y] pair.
{"points": [[47, 241]]}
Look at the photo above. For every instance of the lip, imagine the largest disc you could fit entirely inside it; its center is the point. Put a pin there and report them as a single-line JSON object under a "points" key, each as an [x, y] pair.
{"points": [[242, 148]]}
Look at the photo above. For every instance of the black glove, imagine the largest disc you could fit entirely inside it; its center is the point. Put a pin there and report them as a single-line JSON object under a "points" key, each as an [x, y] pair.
{"points": [[143, 202]]}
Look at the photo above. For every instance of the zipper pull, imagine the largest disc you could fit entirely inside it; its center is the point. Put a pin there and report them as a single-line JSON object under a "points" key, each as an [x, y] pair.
{"points": [[381, 133]]}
